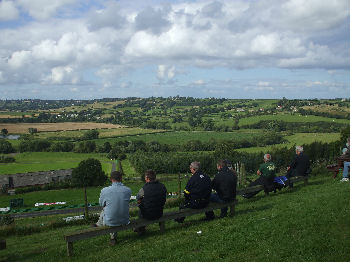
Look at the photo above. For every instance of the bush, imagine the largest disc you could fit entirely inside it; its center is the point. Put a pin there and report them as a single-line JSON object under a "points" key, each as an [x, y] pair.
{"points": [[5, 147], [7, 159], [88, 173]]}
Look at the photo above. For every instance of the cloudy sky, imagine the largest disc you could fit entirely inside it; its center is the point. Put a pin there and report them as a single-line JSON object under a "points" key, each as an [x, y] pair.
{"points": [[82, 49]]}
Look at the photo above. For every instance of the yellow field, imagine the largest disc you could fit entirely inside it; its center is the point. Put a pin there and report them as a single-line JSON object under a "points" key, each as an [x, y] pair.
{"points": [[22, 128]]}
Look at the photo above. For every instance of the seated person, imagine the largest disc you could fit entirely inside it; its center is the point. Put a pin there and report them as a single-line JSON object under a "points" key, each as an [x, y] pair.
{"points": [[197, 191], [346, 152], [115, 202], [300, 165], [266, 173], [224, 183], [151, 199]]}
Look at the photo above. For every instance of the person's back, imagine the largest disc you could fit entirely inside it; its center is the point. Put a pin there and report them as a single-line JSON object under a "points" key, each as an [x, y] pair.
{"points": [[300, 163], [268, 170], [225, 183], [115, 202], [154, 198], [198, 188]]}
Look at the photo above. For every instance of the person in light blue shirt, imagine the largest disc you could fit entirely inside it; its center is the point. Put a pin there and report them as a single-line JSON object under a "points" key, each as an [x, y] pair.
{"points": [[115, 202]]}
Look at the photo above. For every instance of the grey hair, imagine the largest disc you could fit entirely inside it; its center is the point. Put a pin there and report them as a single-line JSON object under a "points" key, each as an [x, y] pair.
{"points": [[195, 165], [299, 149], [267, 157]]}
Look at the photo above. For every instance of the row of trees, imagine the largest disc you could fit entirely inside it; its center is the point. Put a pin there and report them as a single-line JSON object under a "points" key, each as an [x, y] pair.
{"points": [[176, 162], [302, 127]]}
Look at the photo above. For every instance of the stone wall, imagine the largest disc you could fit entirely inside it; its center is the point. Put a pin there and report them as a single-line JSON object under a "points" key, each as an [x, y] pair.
{"points": [[35, 178]]}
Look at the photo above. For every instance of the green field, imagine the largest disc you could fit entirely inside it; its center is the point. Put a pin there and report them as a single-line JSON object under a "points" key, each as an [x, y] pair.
{"points": [[181, 137], [310, 223], [74, 196], [289, 118], [44, 161]]}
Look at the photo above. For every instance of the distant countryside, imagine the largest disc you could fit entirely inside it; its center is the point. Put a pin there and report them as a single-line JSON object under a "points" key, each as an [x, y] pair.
{"points": [[41, 137]]}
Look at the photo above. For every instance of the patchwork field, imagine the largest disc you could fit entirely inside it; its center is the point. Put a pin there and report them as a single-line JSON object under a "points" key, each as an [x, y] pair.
{"points": [[22, 128]]}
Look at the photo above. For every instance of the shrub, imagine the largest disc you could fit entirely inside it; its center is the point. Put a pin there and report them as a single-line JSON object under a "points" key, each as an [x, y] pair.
{"points": [[88, 173]]}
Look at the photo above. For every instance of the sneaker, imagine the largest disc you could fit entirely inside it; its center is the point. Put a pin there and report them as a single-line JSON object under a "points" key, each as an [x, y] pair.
{"points": [[345, 179]]}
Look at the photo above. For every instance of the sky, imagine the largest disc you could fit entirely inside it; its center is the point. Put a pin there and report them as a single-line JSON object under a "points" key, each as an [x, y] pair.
{"points": [[86, 49]]}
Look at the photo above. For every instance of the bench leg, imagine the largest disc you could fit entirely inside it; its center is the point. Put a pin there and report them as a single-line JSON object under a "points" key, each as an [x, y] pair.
{"points": [[232, 210], [162, 226], [306, 181], [69, 248]]}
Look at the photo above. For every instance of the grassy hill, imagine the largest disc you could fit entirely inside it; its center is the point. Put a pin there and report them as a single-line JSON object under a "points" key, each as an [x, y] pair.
{"points": [[310, 223]]}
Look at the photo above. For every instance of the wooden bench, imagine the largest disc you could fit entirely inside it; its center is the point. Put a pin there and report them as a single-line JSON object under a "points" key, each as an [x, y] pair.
{"points": [[339, 165], [259, 187], [140, 222]]}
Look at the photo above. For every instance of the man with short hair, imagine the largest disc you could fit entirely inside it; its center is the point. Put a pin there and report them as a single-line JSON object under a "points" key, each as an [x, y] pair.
{"points": [[115, 202], [151, 199], [224, 183], [197, 191], [300, 166], [266, 173]]}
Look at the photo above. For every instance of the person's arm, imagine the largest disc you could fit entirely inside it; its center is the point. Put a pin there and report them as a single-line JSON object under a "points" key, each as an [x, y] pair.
{"points": [[258, 172], [101, 199]]}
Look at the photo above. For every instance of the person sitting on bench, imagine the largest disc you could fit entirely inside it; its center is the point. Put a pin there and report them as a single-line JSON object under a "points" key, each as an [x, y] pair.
{"points": [[300, 166], [197, 191], [151, 199], [266, 173], [115, 202], [346, 153], [224, 183]]}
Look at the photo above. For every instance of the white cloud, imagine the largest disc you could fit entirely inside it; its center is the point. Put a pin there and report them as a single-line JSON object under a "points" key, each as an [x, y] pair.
{"points": [[43, 9], [8, 11], [65, 75], [165, 72]]}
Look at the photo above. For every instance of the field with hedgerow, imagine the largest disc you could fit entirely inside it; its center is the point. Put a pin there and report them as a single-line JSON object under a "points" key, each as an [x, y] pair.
{"points": [[308, 223]]}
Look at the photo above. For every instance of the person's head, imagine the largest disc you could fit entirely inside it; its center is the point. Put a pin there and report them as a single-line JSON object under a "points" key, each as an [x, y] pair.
{"points": [[195, 166], [150, 175], [267, 157], [116, 176], [228, 164], [299, 150], [221, 164]]}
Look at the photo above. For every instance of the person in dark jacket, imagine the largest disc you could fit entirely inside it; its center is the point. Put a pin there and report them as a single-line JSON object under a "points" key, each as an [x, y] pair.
{"points": [[266, 173], [197, 191], [151, 199], [299, 166], [224, 183]]}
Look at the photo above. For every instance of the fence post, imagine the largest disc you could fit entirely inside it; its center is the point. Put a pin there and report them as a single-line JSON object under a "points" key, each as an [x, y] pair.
{"points": [[179, 184]]}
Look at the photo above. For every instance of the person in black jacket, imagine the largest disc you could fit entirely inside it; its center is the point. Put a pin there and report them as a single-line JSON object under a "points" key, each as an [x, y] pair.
{"points": [[224, 183], [151, 199], [300, 166], [197, 191]]}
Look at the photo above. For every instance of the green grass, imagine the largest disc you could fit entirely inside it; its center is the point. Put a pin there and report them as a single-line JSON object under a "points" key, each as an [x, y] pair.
{"points": [[44, 161], [310, 223], [289, 118]]}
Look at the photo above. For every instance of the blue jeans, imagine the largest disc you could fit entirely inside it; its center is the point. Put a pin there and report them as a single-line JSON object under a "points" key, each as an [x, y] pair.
{"points": [[346, 169], [214, 197]]}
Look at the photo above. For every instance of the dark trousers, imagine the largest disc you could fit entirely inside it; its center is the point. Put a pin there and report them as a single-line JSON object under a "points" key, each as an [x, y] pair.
{"points": [[215, 198], [266, 182]]}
